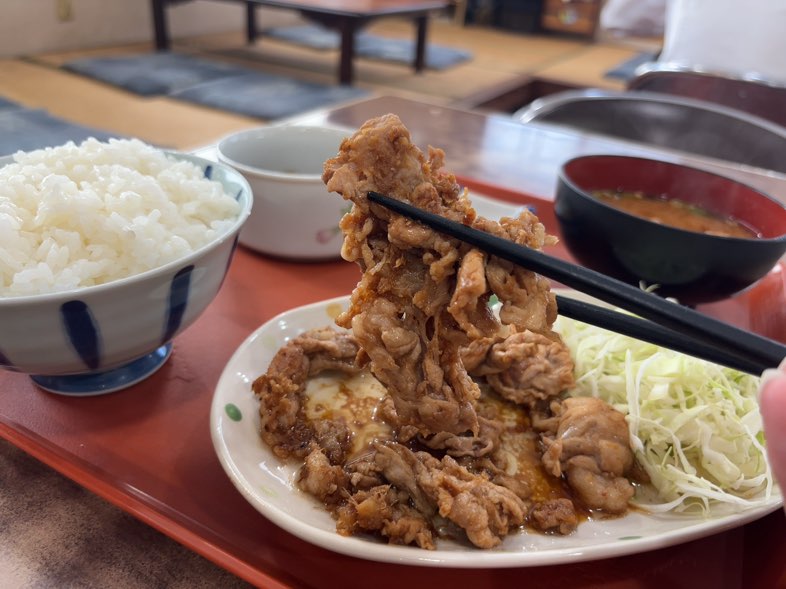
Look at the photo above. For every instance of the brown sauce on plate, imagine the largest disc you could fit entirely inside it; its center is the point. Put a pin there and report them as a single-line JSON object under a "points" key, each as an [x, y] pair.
{"points": [[675, 213]]}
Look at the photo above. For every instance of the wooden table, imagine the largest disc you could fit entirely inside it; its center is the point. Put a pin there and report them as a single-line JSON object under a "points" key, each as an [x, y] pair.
{"points": [[346, 16], [148, 449]]}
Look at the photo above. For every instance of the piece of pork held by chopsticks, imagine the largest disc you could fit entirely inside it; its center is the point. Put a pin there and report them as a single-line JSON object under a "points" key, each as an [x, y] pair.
{"points": [[422, 319], [423, 299]]}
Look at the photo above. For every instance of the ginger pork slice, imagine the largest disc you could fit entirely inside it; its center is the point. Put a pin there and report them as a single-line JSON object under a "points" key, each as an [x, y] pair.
{"points": [[423, 297]]}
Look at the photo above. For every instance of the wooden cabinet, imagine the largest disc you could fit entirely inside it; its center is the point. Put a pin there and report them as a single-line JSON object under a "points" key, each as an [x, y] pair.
{"points": [[579, 17]]}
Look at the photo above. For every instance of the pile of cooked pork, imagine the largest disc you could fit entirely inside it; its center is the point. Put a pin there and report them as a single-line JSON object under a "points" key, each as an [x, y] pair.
{"points": [[480, 441]]}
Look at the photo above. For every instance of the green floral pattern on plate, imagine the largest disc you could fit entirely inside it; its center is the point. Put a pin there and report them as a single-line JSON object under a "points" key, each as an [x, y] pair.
{"points": [[233, 412]]}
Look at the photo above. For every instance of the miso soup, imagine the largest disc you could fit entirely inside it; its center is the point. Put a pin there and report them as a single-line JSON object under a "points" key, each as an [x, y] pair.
{"points": [[675, 213]]}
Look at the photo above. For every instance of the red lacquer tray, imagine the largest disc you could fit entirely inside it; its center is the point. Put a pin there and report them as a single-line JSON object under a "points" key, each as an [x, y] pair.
{"points": [[148, 450]]}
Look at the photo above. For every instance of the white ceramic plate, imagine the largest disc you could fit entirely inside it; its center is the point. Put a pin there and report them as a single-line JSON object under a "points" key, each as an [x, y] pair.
{"points": [[269, 485]]}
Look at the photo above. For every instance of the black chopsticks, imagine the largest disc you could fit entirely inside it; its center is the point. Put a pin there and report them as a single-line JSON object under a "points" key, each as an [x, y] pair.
{"points": [[653, 333], [674, 325]]}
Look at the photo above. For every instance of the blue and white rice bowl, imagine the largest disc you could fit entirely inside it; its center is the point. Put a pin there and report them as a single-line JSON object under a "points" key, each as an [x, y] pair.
{"points": [[102, 338]]}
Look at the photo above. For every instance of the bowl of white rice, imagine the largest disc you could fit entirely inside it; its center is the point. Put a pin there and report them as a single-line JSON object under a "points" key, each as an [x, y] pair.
{"points": [[107, 252]]}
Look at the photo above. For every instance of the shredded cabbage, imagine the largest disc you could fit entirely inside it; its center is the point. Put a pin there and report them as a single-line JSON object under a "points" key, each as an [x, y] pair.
{"points": [[695, 426]]}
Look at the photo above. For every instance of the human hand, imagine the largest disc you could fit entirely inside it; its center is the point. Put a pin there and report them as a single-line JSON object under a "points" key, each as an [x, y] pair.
{"points": [[772, 404]]}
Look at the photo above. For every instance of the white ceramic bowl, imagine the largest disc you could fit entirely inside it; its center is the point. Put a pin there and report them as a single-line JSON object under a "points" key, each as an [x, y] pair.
{"points": [[294, 215], [104, 338]]}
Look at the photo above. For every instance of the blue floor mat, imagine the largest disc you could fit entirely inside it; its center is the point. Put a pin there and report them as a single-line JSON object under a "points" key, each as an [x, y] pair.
{"points": [[267, 96], [25, 129], [371, 46], [210, 83], [6, 105], [153, 74]]}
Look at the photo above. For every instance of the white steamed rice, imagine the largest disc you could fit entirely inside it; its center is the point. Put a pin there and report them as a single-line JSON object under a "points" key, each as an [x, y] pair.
{"points": [[80, 215]]}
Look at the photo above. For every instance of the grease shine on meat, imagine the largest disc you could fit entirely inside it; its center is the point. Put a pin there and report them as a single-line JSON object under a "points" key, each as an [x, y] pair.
{"points": [[471, 439]]}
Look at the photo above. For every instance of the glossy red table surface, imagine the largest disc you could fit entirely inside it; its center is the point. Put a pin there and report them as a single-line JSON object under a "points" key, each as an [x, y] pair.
{"points": [[148, 450]]}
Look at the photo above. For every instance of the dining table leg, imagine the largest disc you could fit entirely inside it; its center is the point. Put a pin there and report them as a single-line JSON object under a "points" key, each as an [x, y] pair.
{"points": [[421, 27], [251, 22], [160, 29], [345, 72]]}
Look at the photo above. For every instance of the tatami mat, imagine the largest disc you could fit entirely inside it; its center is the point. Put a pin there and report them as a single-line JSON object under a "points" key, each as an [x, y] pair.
{"points": [[499, 59]]}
